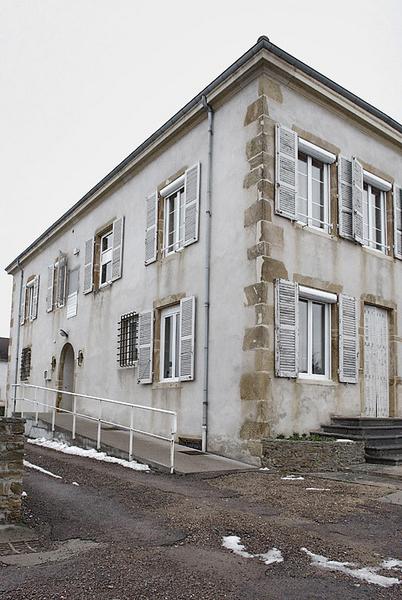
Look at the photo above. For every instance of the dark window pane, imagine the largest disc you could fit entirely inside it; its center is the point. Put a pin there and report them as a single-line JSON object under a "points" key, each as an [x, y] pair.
{"points": [[318, 341], [303, 336]]}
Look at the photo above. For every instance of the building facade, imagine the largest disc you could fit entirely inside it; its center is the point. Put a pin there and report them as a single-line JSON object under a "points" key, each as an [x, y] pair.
{"points": [[242, 266]]}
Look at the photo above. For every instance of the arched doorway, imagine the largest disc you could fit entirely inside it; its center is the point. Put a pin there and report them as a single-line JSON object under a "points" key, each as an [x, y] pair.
{"points": [[66, 377]]}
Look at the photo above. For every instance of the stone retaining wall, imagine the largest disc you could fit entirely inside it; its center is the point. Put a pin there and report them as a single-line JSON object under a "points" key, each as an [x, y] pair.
{"points": [[306, 456], [11, 468]]}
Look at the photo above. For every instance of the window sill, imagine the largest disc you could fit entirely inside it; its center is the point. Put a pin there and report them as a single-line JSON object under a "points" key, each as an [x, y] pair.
{"points": [[312, 381], [377, 253], [310, 229], [163, 385]]}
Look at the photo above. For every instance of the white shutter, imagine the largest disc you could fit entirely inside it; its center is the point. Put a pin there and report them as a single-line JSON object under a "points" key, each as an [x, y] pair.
{"points": [[23, 306], [285, 172], [348, 339], [117, 254], [61, 281], [72, 296], [50, 284], [35, 299], [88, 266], [397, 222], [345, 202], [151, 228], [145, 346], [187, 333], [191, 204], [286, 328], [357, 198]]}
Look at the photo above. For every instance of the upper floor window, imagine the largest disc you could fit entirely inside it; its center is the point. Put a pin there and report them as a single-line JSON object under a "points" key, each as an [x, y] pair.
{"points": [[106, 256], [374, 217], [29, 308], [56, 283], [313, 191], [174, 221]]}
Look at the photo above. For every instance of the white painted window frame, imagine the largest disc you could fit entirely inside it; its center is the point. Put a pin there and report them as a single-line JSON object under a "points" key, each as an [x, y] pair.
{"points": [[173, 189], [327, 158], [29, 300], [165, 313], [104, 262], [311, 295], [372, 181]]}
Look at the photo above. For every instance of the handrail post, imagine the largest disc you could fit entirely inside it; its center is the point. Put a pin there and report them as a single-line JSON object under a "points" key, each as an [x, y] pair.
{"points": [[36, 402], [172, 440], [98, 437], [74, 416], [22, 401], [54, 415], [130, 449]]}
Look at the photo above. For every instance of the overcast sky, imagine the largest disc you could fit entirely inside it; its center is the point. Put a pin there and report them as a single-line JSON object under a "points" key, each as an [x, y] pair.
{"points": [[83, 82]]}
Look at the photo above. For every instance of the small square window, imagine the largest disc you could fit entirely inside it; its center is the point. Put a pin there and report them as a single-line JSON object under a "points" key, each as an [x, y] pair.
{"points": [[128, 340]]}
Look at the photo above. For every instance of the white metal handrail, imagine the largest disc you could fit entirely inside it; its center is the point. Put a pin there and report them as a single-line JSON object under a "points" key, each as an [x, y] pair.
{"points": [[169, 438]]}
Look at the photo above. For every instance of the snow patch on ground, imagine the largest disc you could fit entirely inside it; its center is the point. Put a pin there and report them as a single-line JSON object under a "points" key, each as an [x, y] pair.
{"points": [[94, 454], [232, 542], [36, 468], [313, 489], [24, 495], [263, 469], [341, 440], [75, 483], [292, 478], [391, 563], [367, 574]]}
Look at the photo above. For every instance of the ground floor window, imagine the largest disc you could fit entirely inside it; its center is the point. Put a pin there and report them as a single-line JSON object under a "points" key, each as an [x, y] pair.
{"points": [[314, 338], [25, 364], [170, 343], [128, 340]]}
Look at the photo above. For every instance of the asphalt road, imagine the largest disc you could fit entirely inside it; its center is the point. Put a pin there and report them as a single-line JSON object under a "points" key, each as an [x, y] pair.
{"points": [[160, 536]]}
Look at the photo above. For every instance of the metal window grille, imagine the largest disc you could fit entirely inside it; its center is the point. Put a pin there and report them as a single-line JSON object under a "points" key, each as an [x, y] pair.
{"points": [[127, 346], [25, 364]]}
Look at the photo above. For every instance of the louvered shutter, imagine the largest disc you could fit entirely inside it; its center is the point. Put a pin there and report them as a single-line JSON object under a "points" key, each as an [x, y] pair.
{"points": [[357, 198], [151, 228], [191, 204], [88, 266], [286, 329], [23, 306], [187, 332], [61, 281], [117, 254], [348, 339], [397, 197], [35, 298], [345, 202], [50, 284], [145, 346], [286, 172]]}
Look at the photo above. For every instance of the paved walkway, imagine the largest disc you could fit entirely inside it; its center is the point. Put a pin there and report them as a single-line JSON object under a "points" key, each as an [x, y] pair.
{"points": [[151, 451]]}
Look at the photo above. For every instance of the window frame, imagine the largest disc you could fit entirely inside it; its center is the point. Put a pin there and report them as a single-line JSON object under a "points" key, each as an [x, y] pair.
{"points": [[29, 306], [370, 242], [325, 299], [167, 312], [124, 359], [175, 189], [311, 155], [25, 369], [108, 233]]}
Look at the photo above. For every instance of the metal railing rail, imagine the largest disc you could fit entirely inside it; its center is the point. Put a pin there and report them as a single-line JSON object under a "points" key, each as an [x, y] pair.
{"points": [[54, 409]]}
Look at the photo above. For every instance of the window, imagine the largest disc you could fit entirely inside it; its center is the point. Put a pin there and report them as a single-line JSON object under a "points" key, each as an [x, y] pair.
{"points": [[127, 348], [106, 255], [374, 217], [56, 286], [170, 343], [314, 338], [72, 294], [312, 191], [25, 364], [29, 309], [174, 221]]}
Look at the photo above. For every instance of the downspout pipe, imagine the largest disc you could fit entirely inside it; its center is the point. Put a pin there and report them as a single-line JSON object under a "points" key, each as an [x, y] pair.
{"points": [[207, 270], [17, 355]]}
